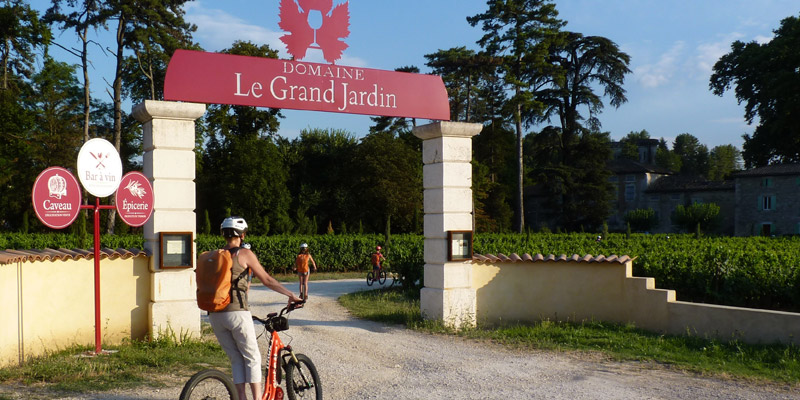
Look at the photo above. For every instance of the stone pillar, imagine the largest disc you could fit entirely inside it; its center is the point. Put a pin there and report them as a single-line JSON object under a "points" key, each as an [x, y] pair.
{"points": [[447, 181], [169, 163]]}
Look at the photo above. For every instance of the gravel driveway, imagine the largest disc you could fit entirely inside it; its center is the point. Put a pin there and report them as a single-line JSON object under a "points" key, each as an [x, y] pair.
{"points": [[359, 359]]}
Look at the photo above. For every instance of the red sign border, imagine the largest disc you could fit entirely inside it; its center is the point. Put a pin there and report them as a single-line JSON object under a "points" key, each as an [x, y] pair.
{"points": [[117, 199], [78, 205]]}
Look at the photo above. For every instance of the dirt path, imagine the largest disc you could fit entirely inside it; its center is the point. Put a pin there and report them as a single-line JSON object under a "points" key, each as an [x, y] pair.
{"points": [[365, 360]]}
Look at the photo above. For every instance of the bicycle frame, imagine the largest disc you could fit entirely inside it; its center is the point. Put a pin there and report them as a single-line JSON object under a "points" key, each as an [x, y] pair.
{"points": [[272, 389]]}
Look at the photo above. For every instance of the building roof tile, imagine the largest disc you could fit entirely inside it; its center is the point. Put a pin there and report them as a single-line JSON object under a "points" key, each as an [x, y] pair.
{"points": [[769, 170], [514, 258], [14, 256], [683, 183]]}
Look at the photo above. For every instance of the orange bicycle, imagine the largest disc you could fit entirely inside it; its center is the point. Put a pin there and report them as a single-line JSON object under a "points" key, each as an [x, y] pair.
{"points": [[302, 379]]}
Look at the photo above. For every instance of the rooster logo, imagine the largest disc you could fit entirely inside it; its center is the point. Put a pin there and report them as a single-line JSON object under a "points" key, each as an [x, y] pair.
{"points": [[315, 24]]}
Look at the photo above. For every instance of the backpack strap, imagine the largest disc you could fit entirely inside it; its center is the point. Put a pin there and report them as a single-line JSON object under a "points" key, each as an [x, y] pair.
{"points": [[235, 281]]}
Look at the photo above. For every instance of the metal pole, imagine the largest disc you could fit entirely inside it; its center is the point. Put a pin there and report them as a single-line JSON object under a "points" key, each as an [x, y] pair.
{"points": [[97, 348], [97, 330]]}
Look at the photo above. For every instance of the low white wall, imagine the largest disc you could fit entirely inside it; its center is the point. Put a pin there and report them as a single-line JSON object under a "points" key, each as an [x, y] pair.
{"points": [[511, 289], [49, 303]]}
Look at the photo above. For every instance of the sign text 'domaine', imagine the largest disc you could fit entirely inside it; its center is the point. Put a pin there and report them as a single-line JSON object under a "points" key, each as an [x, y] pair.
{"points": [[280, 88]]}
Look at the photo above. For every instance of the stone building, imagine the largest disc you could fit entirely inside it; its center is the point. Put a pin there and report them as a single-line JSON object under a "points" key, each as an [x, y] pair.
{"points": [[768, 200], [760, 201]]}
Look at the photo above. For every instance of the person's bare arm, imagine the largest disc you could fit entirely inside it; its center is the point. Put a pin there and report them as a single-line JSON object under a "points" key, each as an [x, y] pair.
{"points": [[248, 259], [314, 264]]}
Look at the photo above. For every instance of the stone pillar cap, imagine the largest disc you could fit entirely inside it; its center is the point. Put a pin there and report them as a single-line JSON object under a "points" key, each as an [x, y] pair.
{"points": [[447, 129], [151, 109]]}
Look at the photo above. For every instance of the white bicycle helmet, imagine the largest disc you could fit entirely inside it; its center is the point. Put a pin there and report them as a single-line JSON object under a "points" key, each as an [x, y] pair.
{"points": [[233, 227], [304, 246]]}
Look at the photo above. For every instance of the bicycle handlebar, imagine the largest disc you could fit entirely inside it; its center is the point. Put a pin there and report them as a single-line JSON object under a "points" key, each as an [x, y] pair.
{"points": [[285, 310]]}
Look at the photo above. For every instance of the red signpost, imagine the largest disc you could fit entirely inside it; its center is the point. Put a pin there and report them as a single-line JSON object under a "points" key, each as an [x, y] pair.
{"points": [[56, 200]]}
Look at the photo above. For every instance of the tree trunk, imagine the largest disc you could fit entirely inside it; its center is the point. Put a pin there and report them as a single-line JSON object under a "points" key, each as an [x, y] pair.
{"points": [[117, 110], [86, 93]]}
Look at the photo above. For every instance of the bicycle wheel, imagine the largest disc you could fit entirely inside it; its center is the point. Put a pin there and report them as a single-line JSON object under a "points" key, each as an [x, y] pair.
{"points": [[370, 275], [382, 277], [209, 384], [302, 380]]}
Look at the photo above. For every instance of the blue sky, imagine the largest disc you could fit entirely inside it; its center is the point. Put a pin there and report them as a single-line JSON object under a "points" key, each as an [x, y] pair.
{"points": [[673, 45]]}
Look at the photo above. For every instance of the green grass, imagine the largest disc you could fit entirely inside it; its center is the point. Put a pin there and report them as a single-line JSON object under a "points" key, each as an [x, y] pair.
{"points": [[131, 364], [776, 363], [128, 365]]}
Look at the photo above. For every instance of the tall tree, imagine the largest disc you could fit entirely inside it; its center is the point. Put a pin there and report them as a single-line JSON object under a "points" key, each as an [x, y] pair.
{"points": [[666, 158], [323, 177], [630, 146], [463, 72], [584, 64], [723, 161], [693, 154], [58, 104], [82, 16], [766, 79], [21, 33], [152, 30], [575, 172], [389, 183], [520, 33]]}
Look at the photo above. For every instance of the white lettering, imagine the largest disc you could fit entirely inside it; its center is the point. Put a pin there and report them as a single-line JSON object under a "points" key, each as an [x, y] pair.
{"points": [[239, 85], [256, 86], [134, 206], [50, 206], [272, 88], [325, 96], [375, 98], [334, 71]]}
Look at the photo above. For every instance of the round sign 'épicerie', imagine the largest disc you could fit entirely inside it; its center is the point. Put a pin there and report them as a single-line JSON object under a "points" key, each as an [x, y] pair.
{"points": [[99, 167], [56, 197], [134, 199]]}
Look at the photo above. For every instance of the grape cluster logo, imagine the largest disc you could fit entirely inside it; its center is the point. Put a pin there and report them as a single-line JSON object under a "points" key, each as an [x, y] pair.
{"points": [[315, 24]]}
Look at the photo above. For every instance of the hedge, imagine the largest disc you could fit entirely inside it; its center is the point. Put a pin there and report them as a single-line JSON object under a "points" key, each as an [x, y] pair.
{"points": [[757, 272]]}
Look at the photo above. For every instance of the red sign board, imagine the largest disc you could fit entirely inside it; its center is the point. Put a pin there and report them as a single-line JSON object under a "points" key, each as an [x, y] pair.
{"points": [[56, 197], [134, 199], [203, 77]]}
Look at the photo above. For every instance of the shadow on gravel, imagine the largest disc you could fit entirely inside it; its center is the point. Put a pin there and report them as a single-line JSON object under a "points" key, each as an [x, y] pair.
{"points": [[370, 326]]}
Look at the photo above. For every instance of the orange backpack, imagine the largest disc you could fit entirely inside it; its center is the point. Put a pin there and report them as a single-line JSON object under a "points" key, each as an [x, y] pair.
{"points": [[213, 275]]}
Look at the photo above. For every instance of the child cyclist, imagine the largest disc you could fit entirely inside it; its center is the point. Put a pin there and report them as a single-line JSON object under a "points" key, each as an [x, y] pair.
{"points": [[377, 261], [301, 265]]}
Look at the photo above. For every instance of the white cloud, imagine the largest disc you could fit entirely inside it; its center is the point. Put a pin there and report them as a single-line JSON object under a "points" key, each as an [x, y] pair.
{"points": [[217, 29], [658, 74], [707, 54], [761, 39]]}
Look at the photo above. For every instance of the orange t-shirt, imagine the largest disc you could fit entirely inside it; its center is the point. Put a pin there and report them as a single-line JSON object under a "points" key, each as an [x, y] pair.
{"points": [[376, 259], [301, 263]]}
